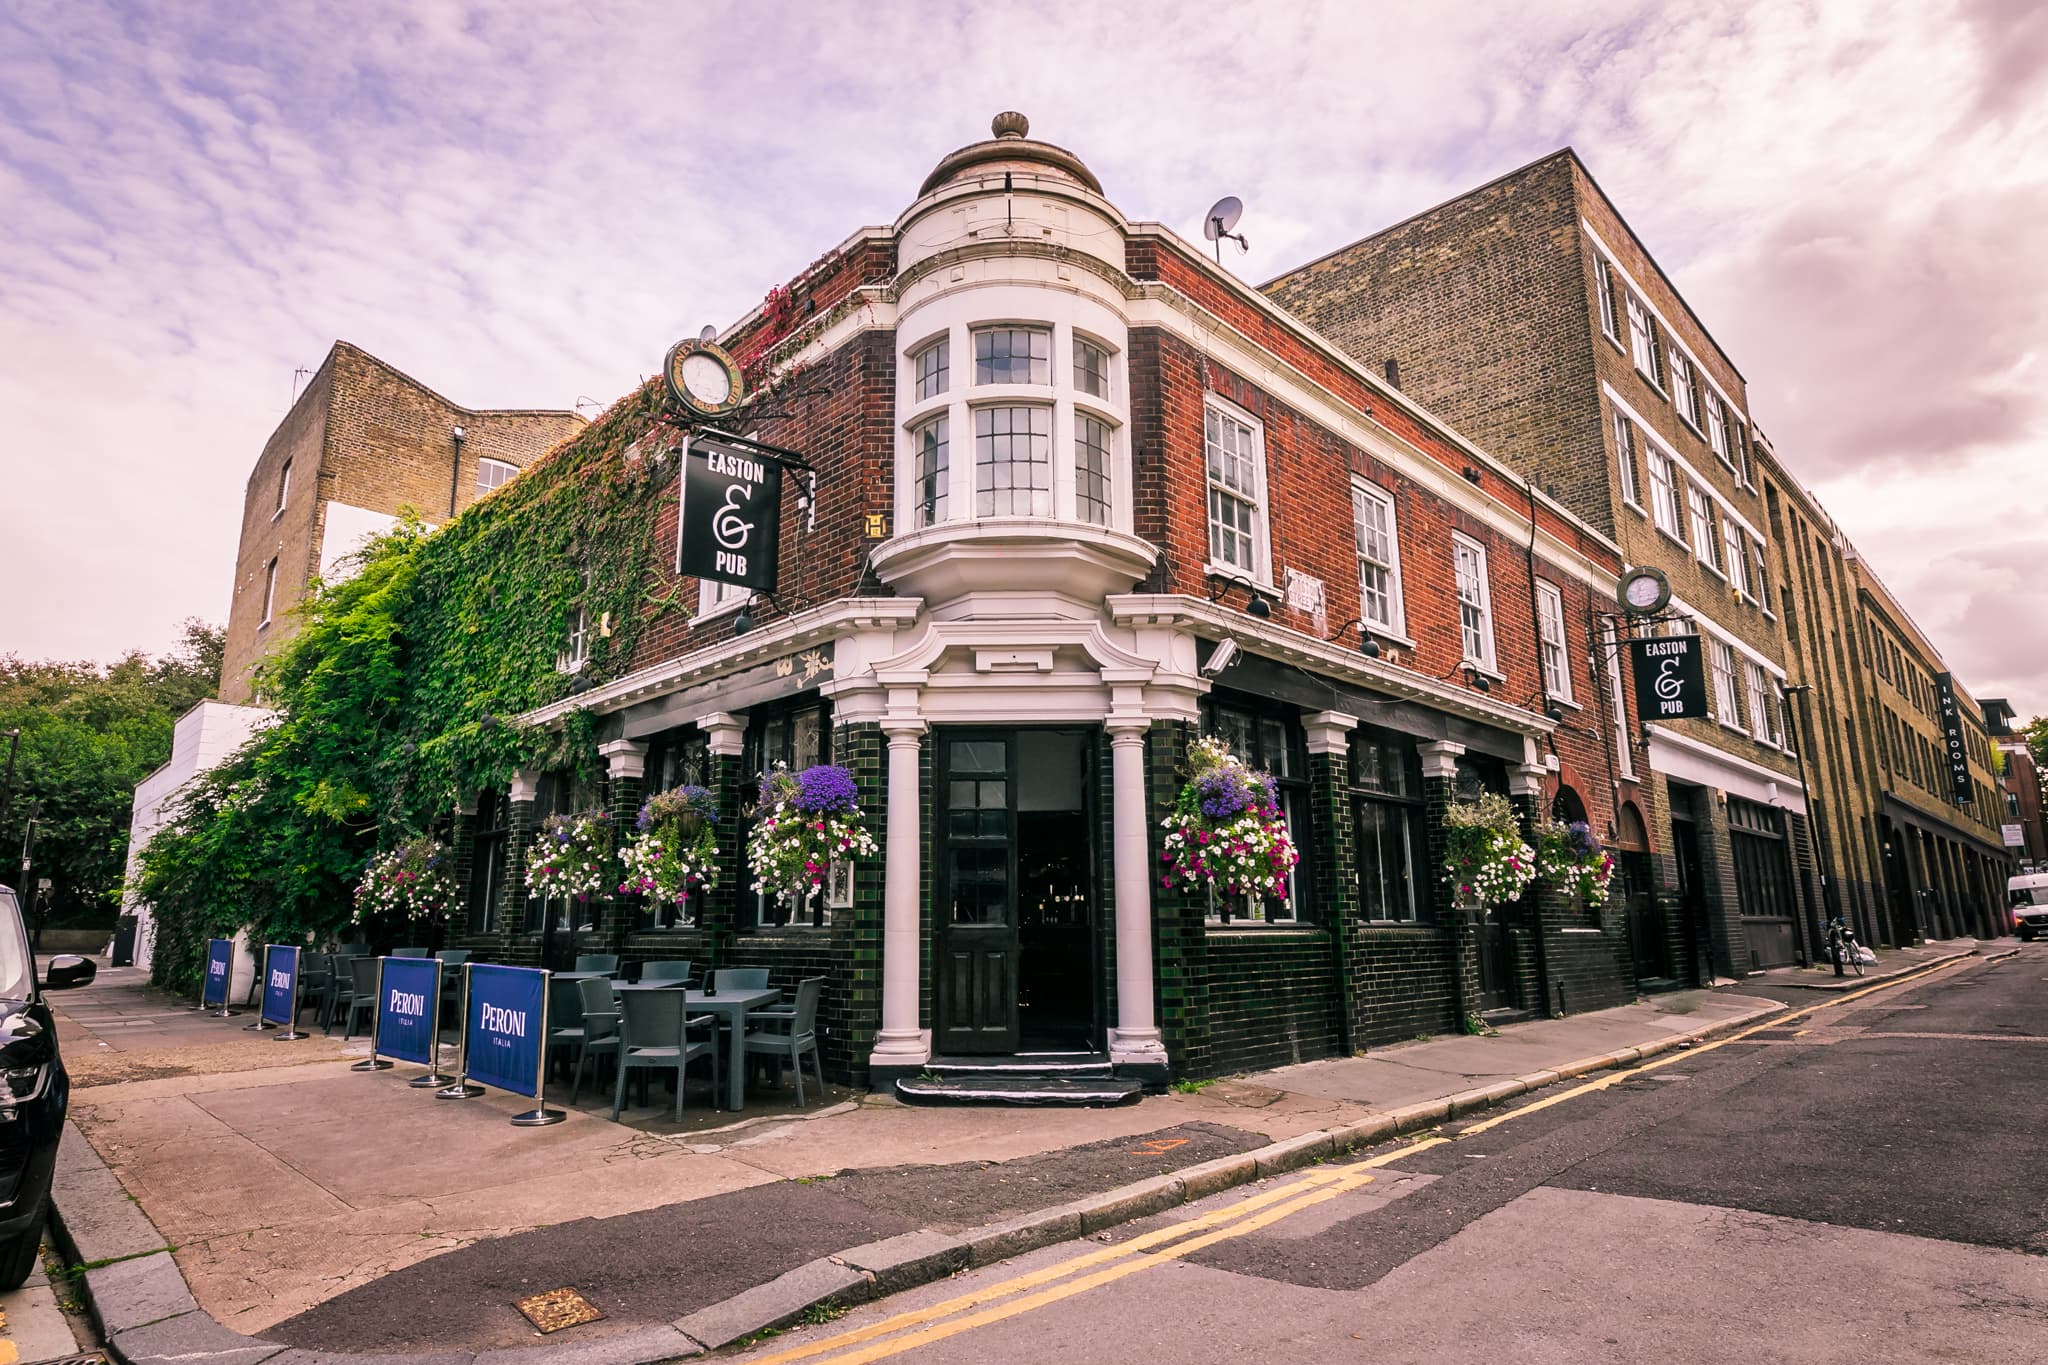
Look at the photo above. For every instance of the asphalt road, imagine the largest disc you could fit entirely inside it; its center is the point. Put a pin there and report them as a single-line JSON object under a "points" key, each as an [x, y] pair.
{"points": [[1861, 1183]]}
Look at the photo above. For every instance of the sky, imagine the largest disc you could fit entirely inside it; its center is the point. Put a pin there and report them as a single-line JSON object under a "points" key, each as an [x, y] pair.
{"points": [[523, 204]]}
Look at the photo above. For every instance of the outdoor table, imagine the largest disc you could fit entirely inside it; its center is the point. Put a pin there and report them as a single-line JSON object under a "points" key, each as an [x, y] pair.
{"points": [[731, 1007]]}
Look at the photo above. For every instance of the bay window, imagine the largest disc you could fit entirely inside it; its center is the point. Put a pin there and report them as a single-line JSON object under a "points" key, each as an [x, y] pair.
{"points": [[932, 370], [1091, 369], [1091, 470], [1013, 355], [932, 472], [1013, 462]]}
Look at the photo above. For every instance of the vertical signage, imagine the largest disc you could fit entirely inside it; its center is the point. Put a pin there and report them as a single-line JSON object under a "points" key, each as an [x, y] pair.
{"points": [[220, 964], [731, 517], [280, 985], [408, 1001], [1670, 676], [507, 1019], [1961, 790]]}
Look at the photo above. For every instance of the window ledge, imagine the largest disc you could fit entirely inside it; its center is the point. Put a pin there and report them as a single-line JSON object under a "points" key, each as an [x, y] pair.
{"points": [[722, 609], [1638, 508], [1580, 929], [1420, 928], [1674, 540], [1713, 569], [1566, 702], [1483, 669], [1217, 929], [1651, 380], [1393, 637], [1265, 586]]}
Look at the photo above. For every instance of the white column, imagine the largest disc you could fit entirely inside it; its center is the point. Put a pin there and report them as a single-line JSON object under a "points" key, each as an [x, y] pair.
{"points": [[901, 1042], [1135, 1039], [624, 757]]}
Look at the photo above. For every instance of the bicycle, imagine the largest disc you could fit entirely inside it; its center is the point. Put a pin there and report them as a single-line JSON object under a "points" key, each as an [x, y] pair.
{"points": [[1843, 949]]}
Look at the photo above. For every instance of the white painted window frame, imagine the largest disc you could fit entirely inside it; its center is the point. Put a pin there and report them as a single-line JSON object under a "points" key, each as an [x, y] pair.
{"points": [[1551, 641], [1261, 569], [1486, 660], [1363, 491]]}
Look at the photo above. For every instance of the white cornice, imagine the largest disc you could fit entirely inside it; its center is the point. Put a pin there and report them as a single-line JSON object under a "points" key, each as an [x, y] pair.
{"points": [[1697, 761], [805, 628], [1292, 646]]}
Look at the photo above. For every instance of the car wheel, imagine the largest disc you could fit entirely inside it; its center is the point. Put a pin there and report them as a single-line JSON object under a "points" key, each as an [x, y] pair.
{"points": [[18, 1257]]}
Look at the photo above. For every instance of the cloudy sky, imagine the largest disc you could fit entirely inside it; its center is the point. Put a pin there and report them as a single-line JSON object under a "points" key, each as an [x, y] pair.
{"points": [[522, 204]]}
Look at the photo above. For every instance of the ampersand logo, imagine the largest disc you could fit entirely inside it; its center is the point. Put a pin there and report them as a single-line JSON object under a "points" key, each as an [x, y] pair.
{"points": [[728, 524]]}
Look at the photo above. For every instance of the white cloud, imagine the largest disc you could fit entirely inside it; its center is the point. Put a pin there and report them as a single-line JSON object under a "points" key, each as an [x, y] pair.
{"points": [[522, 204]]}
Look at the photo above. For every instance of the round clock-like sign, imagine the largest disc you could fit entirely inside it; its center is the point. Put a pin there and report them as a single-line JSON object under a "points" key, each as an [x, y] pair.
{"points": [[1644, 591], [703, 378]]}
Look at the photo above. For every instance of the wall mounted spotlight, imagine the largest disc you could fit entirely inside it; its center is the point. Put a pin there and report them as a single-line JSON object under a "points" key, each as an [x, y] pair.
{"points": [[1367, 646], [1475, 679], [744, 622], [1258, 605]]}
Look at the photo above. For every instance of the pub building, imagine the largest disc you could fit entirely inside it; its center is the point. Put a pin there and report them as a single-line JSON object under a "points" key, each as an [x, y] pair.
{"points": [[1073, 494]]}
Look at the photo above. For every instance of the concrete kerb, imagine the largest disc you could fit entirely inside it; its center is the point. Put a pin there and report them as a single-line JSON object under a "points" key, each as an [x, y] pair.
{"points": [[859, 1273]]}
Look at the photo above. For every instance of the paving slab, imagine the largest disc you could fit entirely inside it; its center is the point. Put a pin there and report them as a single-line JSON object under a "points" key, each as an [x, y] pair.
{"points": [[130, 1294]]}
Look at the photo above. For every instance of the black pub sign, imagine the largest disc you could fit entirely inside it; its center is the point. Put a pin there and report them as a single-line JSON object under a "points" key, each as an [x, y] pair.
{"points": [[731, 516], [1671, 677], [1963, 791]]}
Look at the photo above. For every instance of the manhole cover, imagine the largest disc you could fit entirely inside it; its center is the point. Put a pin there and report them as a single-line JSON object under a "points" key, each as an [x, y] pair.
{"points": [[558, 1308]]}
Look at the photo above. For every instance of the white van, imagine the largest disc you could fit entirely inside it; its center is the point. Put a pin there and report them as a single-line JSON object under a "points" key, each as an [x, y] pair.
{"points": [[2028, 896]]}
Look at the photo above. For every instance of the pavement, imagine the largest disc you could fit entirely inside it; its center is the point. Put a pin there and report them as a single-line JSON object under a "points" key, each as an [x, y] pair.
{"points": [[294, 1230]]}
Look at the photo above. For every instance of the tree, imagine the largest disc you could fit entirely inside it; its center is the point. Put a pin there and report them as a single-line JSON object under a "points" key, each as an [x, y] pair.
{"points": [[89, 733]]}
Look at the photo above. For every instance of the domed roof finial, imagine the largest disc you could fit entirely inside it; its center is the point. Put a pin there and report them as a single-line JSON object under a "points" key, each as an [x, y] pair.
{"points": [[1009, 124]]}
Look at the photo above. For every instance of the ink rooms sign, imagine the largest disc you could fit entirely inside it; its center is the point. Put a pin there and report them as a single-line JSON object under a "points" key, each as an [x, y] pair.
{"points": [[732, 514], [1671, 677], [1961, 788]]}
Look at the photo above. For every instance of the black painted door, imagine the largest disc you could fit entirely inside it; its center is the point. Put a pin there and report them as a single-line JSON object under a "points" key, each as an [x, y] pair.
{"points": [[1495, 972], [976, 881]]}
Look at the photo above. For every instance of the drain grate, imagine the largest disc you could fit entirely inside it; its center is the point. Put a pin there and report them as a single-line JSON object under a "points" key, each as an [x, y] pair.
{"points": [[556, 1309]]}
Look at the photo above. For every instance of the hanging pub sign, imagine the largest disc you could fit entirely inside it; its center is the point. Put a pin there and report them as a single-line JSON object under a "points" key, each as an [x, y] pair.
{"points": [[732, 514], [1962, 790], [1671, 677]]}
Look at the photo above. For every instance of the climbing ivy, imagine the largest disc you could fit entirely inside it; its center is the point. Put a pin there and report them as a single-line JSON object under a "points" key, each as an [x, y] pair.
{"points": [[394, 699]]}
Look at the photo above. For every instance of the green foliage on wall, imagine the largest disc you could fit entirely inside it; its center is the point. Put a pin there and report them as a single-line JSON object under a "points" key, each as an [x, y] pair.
{"points": [[393, 700]]}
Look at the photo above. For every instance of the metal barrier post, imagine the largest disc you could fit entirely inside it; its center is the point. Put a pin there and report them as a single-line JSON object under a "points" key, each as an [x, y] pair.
{"points": [[262, 984], [373, 1062], [462, 1089], [540, 1115], [434, 1080]]}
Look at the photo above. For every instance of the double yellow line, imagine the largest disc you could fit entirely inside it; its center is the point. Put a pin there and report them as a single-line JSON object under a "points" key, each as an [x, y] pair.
{"points": [[1078, 1274], [1090, 1270]]}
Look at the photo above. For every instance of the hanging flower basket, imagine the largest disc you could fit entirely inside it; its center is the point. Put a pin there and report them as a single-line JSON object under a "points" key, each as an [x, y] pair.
{"points": [[415, 880], [571, 858], [1226, 830], [1573, 859], [803, 824], [674, 849], [1486, 859]]}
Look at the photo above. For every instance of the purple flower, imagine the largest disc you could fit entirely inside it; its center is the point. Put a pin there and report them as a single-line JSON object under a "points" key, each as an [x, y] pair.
{"points": [[1223, 793], [1584, 842], [826, 790]]}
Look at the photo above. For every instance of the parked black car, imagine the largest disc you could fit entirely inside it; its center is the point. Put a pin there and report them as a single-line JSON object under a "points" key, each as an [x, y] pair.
{"points": [[34, 1091]]}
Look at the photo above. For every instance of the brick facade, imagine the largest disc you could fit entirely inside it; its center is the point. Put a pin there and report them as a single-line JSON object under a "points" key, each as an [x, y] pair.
{"points": [[366, 436]]}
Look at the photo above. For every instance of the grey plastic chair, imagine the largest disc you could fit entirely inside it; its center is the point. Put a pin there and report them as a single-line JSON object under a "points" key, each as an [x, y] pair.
{"points": [[654, 1034], [453, 957], [599, 1031], [608, 963], [341, 985], [740, 979], [565, 1016], [362, 998], [316, 978], [787, 1033], [665, 971], [409, 952]]}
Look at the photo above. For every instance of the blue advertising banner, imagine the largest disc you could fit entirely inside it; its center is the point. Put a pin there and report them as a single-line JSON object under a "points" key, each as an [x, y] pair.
{"points": [[407, 1003], [507, 1019], [280, 981], [220, 965]]}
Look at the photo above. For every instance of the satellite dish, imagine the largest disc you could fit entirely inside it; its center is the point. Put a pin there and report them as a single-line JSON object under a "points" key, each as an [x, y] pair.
{"points": [[708, 333], [1222, 217]]}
